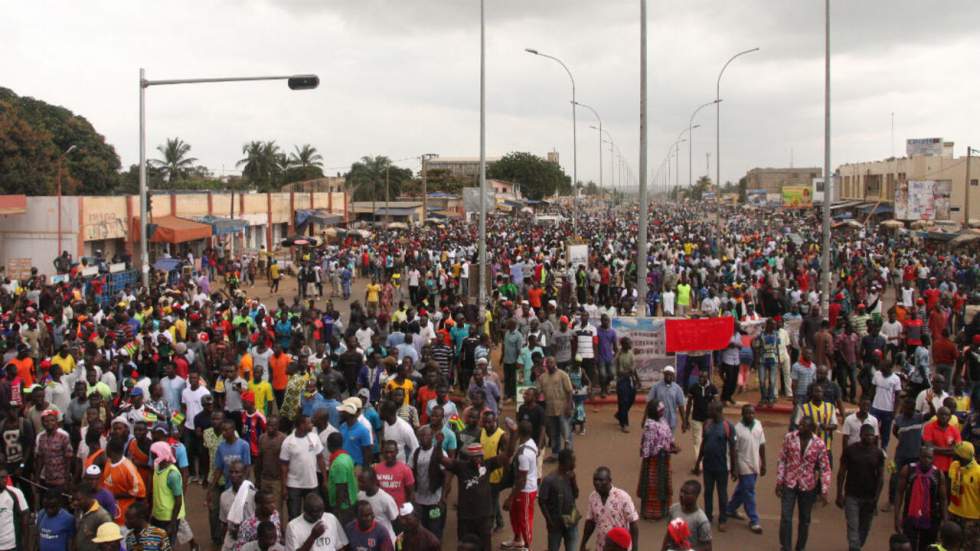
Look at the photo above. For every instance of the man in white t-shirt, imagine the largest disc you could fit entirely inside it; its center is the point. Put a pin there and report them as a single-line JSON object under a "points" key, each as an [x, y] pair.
{"points": [[750, 452], [525, 490], [851, 429], [14, 515], [892, 331], [314, 529], [398, 430], [301, 458], [931, 399], [384, 506], [887, 388], [668, 299]]}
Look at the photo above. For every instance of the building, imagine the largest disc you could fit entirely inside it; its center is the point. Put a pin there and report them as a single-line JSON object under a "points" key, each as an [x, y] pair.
{"points": [[553, 157], [409, 212], [459, 167], [878, 181], [773, 179], [327, 184], [179, 222], [503, 187]]}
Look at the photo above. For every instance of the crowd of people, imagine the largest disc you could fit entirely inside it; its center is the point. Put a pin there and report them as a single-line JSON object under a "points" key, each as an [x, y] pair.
{"points": [[328, 420]]}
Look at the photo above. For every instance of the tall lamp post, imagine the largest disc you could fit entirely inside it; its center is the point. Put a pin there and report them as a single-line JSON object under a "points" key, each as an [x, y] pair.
{"points": [[598, 118], [690, 144], [641, 241], [425, 185], [61, 161], [718, 113], [828, 178], [483, 165], [574, 103], [296, 82]]}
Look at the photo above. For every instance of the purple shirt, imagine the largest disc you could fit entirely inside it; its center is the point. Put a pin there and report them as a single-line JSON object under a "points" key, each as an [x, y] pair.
{"points": [[607, 337]]}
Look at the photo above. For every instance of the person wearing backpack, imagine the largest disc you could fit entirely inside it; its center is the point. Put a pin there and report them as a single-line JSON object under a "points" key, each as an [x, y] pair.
{"points": [[717, 454], [430, 487]]}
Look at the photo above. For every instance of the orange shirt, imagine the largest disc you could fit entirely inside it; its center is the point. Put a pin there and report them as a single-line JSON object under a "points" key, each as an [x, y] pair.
{"points": [[245, 366], [123, 479], [534, 297], [278, 366], [25, 370]]}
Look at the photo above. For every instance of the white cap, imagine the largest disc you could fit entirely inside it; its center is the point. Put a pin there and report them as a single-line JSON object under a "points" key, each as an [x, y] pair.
{"points": [[669, 369], [93, 470], [406, 509]]}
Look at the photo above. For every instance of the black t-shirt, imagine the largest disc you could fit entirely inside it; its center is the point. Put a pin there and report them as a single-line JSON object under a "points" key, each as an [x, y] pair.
{"points": [[534, 415], [701, 397], [864, 465], [474, 498]]}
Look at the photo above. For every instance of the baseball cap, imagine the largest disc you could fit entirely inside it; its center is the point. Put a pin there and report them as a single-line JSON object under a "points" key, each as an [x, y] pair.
{"points": [[161, 426], [621, 537], [669, 369]]}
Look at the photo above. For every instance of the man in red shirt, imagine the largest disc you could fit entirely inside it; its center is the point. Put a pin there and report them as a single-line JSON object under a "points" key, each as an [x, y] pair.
{"points": [[394, 476], [943, 437], [944, 356]]}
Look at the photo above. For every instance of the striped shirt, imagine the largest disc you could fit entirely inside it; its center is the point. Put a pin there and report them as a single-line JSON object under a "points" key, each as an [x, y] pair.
{"points": [[150, 538], [823, 413]]}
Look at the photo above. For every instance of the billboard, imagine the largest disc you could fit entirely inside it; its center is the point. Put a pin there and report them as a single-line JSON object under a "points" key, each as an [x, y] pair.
{"points": [[471, 199], [923, 146], [755, 197], [797, 197], [923, 200]]}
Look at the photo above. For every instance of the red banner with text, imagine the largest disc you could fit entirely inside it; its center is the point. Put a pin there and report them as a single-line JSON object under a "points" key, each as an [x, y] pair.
{"points": [[691, 335]]}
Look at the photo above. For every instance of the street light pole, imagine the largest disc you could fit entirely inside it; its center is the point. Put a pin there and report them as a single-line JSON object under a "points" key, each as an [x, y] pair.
{"points": [[690, 145], [574, 124], [598, 118], [296, 82], [425, 186], [828, 179], [483, 165], [641, 241], [61, 160], [718, 114]]}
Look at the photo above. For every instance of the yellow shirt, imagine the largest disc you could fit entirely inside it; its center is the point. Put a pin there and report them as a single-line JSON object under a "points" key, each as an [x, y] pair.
{"points": [[491, 445], [962, 402], [67, 363], [487, 318], [407, 385], [274, 271], [964, 499], [373, 292], [181, 327], [263, 395]]}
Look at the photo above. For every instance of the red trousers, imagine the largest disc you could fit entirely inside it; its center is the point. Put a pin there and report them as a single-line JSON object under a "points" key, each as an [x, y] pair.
{"points": [[522, 516]]}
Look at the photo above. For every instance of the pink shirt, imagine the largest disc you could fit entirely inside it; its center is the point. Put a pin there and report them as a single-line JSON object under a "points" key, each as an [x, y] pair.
{"points": [[618, 510], [394, 480]]}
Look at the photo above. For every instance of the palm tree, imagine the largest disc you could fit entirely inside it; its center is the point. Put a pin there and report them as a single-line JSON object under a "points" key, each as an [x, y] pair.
{"points": [[305, 157], [263, 164], [175, 163]]}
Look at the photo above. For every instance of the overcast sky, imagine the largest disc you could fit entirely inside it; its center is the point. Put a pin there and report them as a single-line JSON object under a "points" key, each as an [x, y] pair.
{"points": [[401, 78]]}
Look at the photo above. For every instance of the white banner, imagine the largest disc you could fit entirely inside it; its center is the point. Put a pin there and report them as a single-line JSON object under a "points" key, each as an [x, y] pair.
{"points": [[649, 345]]}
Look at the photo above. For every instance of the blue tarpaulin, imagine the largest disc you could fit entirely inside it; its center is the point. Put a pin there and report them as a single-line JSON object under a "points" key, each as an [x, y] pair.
{"points": [[223, 226], [166, 264], [317, 216]]}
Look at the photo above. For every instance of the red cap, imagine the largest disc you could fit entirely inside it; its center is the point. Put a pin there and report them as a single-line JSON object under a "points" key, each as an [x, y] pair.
{"points": [[678, 530], [976, 339], [877, 354], [920, 301], [621, 536], [248, 397]]}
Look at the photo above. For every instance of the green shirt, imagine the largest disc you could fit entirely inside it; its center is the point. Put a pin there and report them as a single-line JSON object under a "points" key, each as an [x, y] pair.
{"points": [[167, 486], [342, 472]]}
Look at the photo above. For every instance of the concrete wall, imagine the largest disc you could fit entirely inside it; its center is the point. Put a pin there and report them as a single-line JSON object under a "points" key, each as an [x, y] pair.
{"points": [[32, 238]]}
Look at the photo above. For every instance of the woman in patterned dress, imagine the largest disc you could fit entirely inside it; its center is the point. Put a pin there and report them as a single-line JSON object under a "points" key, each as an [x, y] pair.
{"points": [[656, 446]]}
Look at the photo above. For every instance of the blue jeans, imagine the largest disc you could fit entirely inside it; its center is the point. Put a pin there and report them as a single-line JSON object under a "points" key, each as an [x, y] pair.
{"points": [[767, 381], [559, 431], [713, 479], [859, 514], [744, 495], [791, 498], [569, 535], [885, 419]]}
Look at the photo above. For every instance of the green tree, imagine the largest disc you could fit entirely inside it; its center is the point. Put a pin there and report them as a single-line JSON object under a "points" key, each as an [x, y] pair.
{"points": [[537, 177], [175, 164], [367, 178], [34, 134], [263, 165], [304, 163]]}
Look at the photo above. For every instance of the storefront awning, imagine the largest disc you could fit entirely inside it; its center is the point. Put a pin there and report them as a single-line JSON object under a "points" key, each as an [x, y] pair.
{"points": [[317, 216], [13, 204], [171, 229], [223, 226]]}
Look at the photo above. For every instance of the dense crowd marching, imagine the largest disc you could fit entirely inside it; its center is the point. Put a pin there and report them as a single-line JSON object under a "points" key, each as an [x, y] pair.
{"points": [[314, 431]]}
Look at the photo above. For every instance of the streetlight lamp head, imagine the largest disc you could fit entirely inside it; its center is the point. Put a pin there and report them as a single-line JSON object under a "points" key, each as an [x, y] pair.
{"points": [[696, 126], [531, 51], [303, 82], [719, 100]]}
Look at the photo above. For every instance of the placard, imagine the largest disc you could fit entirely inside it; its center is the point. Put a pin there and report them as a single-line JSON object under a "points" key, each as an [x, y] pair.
{"points": [[117, 267], [684, 335], [19, 268], [649, 345]]}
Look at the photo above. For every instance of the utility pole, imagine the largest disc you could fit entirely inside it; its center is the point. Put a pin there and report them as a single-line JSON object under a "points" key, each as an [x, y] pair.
{"points": [[641, 241], [387, 198], [828, 178], [707, 165], [966, 199]]}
